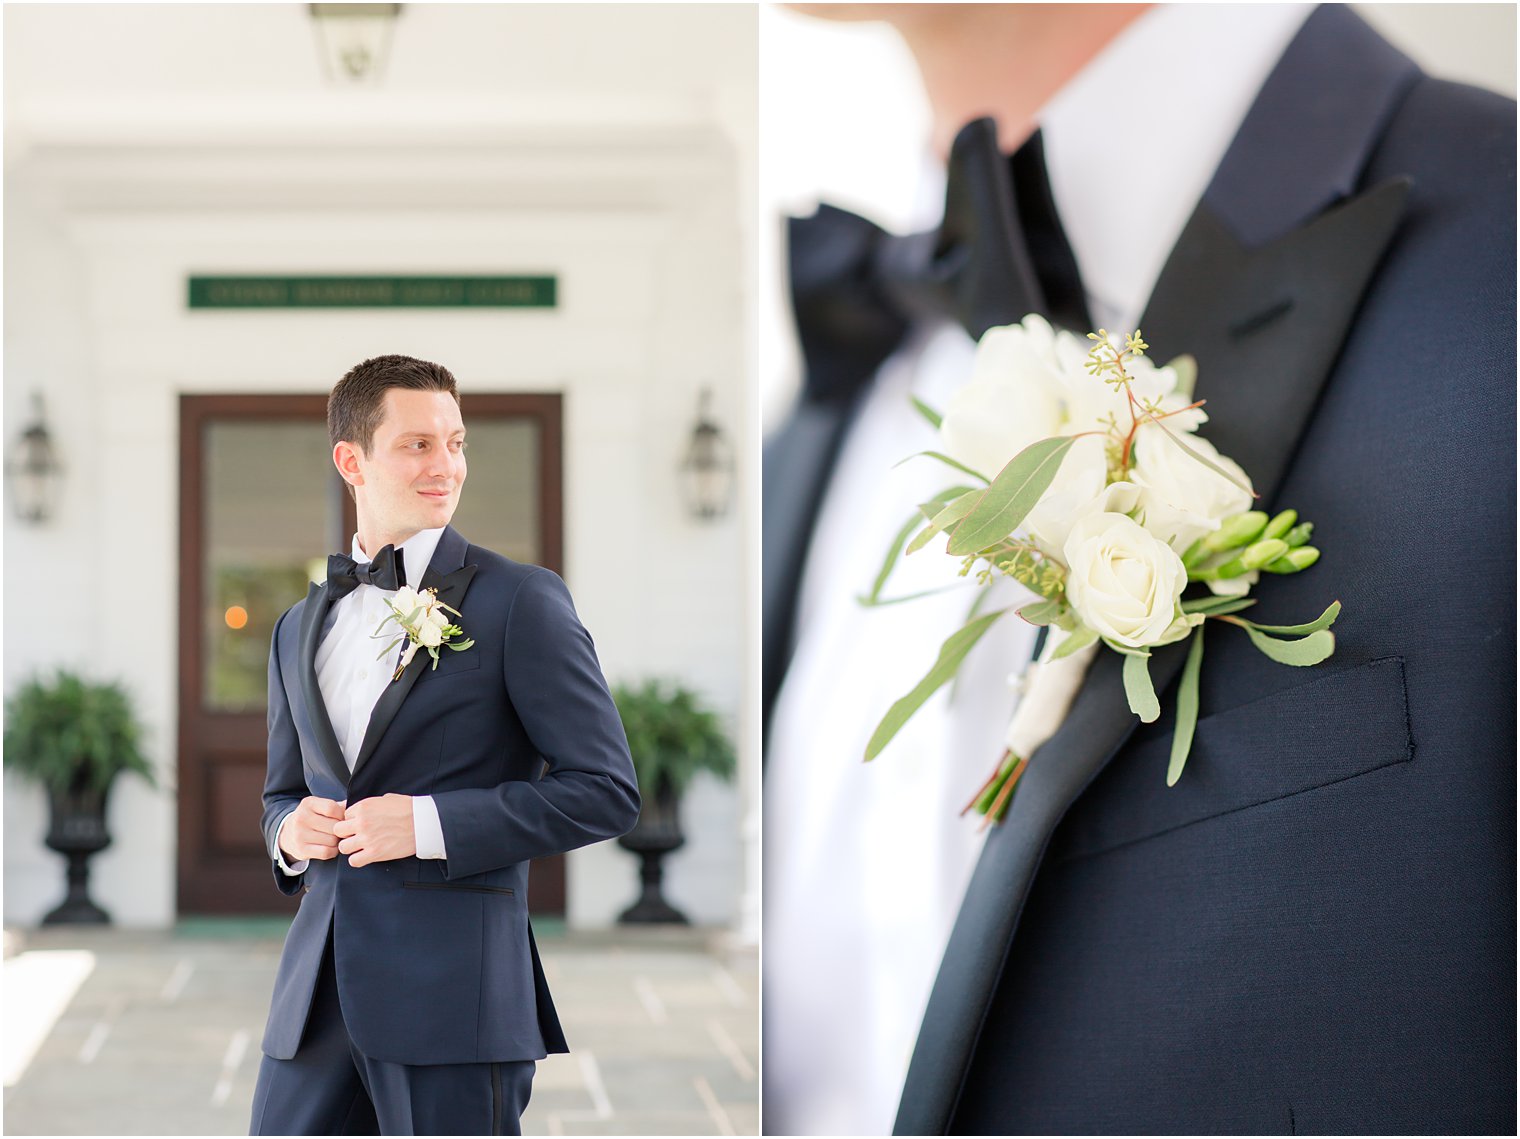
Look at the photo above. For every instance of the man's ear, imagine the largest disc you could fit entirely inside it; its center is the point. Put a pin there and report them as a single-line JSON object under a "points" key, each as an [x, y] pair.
{"points": [[346, 459]]}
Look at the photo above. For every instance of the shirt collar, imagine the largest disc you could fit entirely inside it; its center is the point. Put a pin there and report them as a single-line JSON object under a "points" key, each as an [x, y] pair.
{"points": [[417, 553], [1132, 141]]}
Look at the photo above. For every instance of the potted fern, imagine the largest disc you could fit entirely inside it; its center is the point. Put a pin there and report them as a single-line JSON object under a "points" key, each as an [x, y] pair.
{"points": [[74, 737], [671, 737]]}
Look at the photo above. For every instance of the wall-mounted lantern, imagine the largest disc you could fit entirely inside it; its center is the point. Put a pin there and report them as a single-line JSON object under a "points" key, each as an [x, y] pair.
{"points": [[707, 471], [354, 39], [33, 471]]}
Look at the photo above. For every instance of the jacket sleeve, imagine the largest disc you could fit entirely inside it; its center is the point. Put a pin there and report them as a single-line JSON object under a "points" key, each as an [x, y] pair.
{"points": [[589, 792], [285, 779]]}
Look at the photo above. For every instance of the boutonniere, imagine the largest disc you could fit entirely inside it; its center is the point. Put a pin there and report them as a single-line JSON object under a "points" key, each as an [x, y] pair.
{"points": [[1103, 501], [423, 626]]}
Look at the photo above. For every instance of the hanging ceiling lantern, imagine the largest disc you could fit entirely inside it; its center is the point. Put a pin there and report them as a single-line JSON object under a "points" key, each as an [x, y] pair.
{"points": [[354, 39]]}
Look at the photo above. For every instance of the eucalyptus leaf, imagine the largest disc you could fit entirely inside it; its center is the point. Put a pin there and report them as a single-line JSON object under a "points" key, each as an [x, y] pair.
{"points": [[1323, 621], [1139, 690], [1303, 652], [1012, 495], [865, 601], [944, 458], [1043, 612], [1187, 709], [951, 654], [1217, 606], [890, 560], [948, 515], [1080, 639], [934, 417]]}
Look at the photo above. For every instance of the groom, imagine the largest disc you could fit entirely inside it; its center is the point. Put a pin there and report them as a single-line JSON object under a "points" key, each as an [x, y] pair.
{"points": [[1314, 930], [410, 999]]}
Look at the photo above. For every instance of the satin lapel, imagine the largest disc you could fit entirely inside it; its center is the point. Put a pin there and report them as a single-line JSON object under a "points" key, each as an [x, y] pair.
{"points": [[1266, 325], [317, 604], [451, 587]]}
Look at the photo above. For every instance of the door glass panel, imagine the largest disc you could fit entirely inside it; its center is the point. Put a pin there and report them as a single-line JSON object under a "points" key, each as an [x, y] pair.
{"points": [[270, 507], [499, 506]]}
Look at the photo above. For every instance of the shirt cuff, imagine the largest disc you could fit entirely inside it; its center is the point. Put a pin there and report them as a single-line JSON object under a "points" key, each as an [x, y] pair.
{"points": [[279, 855], [427, 828]]}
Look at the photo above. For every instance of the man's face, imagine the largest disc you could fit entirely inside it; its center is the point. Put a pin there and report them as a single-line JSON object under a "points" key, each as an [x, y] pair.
{"points": [[415, 469]]}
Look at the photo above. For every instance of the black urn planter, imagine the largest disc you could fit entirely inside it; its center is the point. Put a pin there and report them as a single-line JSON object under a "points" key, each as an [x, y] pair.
{"points": [[77, 830], [656, 834]]}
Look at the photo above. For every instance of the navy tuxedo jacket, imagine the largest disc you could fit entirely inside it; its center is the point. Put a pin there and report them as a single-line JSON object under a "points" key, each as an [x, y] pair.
{"points": [[435, 959], [1314, 930]]}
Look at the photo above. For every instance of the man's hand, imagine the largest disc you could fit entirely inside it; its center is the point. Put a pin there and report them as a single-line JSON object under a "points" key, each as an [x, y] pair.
{"points": [[308, 832], [377, 830]]}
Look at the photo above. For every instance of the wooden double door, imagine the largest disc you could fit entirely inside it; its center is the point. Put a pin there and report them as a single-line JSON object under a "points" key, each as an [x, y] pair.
{"points": [[261, 506]]}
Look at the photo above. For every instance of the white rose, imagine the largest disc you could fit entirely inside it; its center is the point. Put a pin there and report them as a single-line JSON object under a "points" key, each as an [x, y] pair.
{"points": [[429, 634], [406, 599], [1184, 500], [1012, 399], [436, 616], [1124, 583]]}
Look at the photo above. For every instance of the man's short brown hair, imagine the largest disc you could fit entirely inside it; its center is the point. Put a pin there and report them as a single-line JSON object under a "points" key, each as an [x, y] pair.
{"points": [[356, 406]]}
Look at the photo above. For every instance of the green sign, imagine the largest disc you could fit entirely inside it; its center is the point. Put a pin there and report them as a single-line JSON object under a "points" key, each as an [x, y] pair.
{"points": [[373, 292]]}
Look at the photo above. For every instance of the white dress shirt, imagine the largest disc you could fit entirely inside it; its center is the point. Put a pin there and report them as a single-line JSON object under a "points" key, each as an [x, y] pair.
{"points": [[866, 865], [352, 680]]}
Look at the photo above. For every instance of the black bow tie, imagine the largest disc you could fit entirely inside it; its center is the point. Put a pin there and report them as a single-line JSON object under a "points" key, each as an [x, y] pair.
{"points": [[386, 571], [999, 254]]}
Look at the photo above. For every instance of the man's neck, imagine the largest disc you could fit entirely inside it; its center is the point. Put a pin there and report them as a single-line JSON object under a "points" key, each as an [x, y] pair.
{"points": [[1002, 60], [372, 541]]}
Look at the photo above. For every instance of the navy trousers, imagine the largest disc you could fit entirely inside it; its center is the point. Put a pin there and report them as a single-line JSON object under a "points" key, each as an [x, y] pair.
{"points": [[331, 1088]]}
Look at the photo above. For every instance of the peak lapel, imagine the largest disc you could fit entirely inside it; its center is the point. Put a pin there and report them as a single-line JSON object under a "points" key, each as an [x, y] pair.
{"points": [[1266, 325], [451, 578], [318, 602]]}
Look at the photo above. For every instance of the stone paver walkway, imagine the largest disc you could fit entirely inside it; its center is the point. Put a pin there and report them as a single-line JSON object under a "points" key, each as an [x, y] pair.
{"points": [[162, 1035]]}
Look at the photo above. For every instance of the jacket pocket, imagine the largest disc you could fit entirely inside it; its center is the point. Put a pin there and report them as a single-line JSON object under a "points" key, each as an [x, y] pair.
{"points": [[1334, 727], [458, 886]]}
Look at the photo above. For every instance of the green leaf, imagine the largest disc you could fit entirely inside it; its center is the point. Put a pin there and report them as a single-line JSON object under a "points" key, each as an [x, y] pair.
{"points": [[927, 412], [1217, 606], [925, 510], [1012, 495], [1301, 653], [889, 561], [944, 458], [1187, 375], [951, 654], [880, 601], [948, 515], [1080, 639], [1138, 689], [1187, 709], [1043, 612], [1215, 467], [1323, 621]]}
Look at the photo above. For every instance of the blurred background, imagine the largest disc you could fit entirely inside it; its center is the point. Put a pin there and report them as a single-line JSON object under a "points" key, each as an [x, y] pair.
{"points": [[211, 213]]}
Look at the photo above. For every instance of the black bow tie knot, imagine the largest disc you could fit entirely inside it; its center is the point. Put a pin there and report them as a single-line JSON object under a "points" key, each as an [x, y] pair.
{"points": [[999, 254], [386, 571]]}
